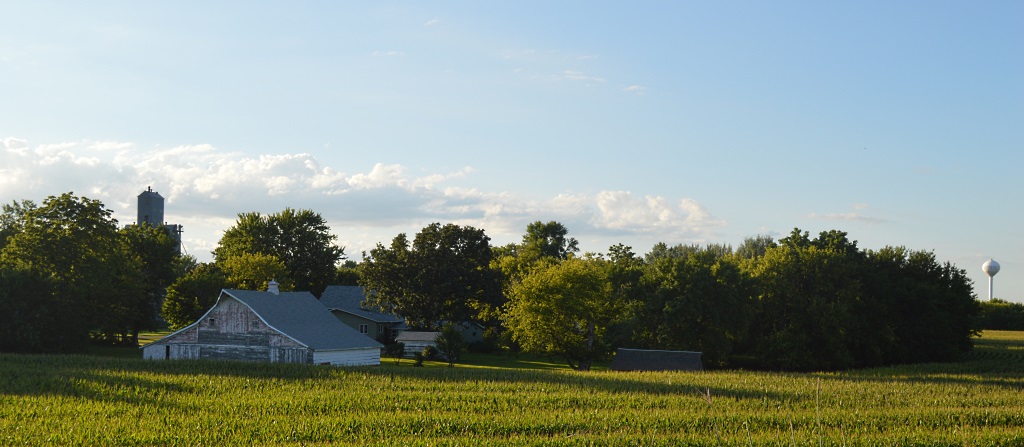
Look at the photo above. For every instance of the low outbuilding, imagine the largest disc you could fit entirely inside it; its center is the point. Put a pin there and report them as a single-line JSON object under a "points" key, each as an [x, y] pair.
{"points": [[271, 326], [656, 360]]}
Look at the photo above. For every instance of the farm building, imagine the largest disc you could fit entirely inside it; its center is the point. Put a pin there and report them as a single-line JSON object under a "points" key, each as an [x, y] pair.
{"points": [[347, 303], [655, 360], [271, 326], [415, 341]]}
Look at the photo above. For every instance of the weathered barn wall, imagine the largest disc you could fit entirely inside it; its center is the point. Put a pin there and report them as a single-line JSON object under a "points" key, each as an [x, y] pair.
{"points": [[231, 331]]}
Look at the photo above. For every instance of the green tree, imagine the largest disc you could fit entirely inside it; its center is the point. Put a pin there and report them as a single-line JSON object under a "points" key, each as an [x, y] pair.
{"points": [[75, 241], [253, 271], [155, 251], [564, 309], [754, 247], [12, 219], [33, 316], [443, 275], [349, 274], [300, 239], [700, 302], [450, 343], [808, 315], [190, 296], [548, 240], [927, 308]]}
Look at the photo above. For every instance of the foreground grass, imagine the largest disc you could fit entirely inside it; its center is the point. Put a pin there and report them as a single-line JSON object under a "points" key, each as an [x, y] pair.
{"points": [[83, 400]]}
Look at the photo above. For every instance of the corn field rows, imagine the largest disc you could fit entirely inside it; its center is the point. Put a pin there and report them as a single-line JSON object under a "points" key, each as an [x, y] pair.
{"points": [[79, 400]]}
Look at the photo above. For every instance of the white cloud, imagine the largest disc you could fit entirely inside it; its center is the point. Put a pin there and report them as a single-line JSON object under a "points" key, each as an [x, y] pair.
{"points": [[205, 188], [636, 89], [432, 22]]}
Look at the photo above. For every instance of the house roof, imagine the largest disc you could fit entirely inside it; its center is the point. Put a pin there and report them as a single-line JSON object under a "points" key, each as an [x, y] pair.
{"points": [[351, 299], [655, 360]]}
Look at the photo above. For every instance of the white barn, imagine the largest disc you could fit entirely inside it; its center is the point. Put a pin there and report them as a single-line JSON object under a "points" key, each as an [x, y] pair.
{"points": [[287, 327]]}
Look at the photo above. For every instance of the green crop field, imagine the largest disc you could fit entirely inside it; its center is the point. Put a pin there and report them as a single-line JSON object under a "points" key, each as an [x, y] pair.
{"points": [[90, 400]]}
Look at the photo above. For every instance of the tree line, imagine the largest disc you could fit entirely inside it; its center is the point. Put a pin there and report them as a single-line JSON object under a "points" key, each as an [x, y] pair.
{"points": [[69, 274], [799, 303]]}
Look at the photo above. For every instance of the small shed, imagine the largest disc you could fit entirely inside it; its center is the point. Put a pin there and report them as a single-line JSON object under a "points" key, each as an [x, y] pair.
{"points": [[415, 341], [287, 327], [656, 360]]}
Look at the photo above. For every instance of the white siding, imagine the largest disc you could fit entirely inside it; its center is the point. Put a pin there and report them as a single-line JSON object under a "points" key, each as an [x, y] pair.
{"points": [[348, 357], [414, 347], [163, 351]]}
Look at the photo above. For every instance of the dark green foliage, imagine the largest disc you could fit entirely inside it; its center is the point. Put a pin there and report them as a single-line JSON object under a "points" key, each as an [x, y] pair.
{"points": [[34, 318], [96, 272], [1001, 315], [444, 275], [699, 302], [348, 274], [450, 344], [394, 350], [300, 239], [155, 251], [548, 240], [190, 296]]}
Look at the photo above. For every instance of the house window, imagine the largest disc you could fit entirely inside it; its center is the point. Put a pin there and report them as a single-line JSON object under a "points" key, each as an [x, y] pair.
{"points": [[213, 322], [394, 333], [363, 329], [382, 329]]}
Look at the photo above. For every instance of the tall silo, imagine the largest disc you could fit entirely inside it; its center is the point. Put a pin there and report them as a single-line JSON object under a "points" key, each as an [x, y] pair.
{"points": [[151, 208]]}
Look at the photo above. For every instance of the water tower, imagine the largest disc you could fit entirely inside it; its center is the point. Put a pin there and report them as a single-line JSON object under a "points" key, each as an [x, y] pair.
{"points": [[990, 267]]}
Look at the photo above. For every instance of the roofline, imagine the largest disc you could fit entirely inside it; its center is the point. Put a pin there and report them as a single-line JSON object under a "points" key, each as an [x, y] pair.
{"points": [[219, 297], [332, 309]]}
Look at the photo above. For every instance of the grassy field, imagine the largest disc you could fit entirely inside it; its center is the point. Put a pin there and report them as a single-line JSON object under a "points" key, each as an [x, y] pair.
{"points": [[91, 400]]}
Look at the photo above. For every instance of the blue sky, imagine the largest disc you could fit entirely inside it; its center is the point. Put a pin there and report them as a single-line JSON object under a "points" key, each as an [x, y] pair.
{"points": [[629, 122]]}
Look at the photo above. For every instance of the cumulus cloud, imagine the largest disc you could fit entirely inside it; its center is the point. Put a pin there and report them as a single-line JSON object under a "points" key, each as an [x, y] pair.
{"points": [[206, 188]]}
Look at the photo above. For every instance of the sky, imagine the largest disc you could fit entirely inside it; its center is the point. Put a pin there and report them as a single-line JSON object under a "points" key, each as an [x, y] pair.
{"points": [[683, 122]]}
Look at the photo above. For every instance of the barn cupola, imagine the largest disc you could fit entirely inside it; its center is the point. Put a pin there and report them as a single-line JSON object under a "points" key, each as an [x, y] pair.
{"points": [[272, 287]]}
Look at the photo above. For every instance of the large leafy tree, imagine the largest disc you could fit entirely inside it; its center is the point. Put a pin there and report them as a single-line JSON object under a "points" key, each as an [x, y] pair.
{"points": [[191, 295], [698, 302], [75, 241], [33, 317], [155, 252], [300, 239], [254, 271], [548, 240], [925, 308], [443, 275], [564, 309]]}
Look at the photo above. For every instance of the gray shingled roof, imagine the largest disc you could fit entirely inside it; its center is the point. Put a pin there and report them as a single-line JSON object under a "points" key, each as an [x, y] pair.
{"points": [[350, 299], [655, 360], [300, 316], [417, 336]]}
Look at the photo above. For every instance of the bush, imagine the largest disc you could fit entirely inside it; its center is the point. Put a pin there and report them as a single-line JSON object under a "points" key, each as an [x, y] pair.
{"points": [[429, 353]]}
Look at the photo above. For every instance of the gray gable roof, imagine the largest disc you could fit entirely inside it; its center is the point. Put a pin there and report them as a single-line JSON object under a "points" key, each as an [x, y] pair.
{"points": [[655, 360], [300, 316], [350, 299]]}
